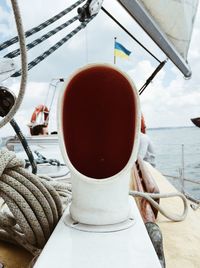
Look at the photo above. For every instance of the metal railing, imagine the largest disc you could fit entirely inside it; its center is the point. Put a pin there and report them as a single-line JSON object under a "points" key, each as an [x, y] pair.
{"points": [[180, 166]]}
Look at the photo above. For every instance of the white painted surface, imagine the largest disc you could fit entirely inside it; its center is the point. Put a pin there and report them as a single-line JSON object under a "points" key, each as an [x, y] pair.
{"points": [[70, 248], [100, 201], [99, 228]]}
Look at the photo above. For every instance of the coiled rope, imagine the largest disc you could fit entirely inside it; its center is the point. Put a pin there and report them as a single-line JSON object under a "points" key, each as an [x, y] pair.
{"points": [[34, 204], [19, 99], [25, 145]]}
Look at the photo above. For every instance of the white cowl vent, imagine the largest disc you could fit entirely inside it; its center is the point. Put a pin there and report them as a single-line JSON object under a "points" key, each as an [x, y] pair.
{"points": [[99, 125]]}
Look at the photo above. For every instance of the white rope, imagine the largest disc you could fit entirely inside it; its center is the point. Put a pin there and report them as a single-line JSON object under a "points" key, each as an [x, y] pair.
{"points": [[34, 204], [150, 197], [22, 44]]}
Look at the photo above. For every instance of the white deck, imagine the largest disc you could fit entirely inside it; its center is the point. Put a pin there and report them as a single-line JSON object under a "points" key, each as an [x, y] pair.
{"points": [[72, 248]]}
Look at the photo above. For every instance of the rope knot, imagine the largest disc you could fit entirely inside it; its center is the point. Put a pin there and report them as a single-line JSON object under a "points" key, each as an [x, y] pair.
{"points": [[8, 160]]}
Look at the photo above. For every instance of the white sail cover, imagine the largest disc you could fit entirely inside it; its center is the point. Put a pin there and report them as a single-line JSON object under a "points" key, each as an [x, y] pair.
{"points": [[175, 18]]}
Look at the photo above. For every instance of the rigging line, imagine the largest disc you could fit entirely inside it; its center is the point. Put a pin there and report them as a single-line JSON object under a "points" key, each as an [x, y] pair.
{"points": [[41, 39], [54, 48], [5, 72], [123, 28], [151, 77], [40, 26], [25, 145]]}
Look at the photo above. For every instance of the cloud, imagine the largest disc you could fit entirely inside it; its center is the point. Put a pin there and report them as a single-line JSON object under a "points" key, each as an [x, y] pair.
{"points": [[169, 100], [5, 24]]}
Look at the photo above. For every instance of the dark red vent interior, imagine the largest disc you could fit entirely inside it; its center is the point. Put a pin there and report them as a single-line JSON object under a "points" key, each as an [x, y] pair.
{"points": [[99, 121]]}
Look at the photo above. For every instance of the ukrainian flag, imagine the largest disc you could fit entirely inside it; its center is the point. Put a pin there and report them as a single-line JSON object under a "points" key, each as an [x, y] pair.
{"points": [[121, 51]]}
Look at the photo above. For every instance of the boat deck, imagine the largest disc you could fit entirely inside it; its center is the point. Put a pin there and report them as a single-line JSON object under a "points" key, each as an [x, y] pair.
{"points": [[181, 239], [68, 247], [13, 255]]}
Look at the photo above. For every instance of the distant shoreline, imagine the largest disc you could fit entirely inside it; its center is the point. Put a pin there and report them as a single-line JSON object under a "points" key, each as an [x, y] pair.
{"points": [[163, 128]]}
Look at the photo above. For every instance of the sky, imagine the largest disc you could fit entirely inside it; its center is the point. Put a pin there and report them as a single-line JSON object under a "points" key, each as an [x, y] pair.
{"points": [[169, 101]]}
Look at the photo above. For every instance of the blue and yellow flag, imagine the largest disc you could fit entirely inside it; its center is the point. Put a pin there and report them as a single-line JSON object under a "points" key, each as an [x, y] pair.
{"points": [[121, 51]]}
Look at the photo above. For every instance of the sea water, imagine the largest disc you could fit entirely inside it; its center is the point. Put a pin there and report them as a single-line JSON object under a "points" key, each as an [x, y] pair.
{"points": [[178, 155]]}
